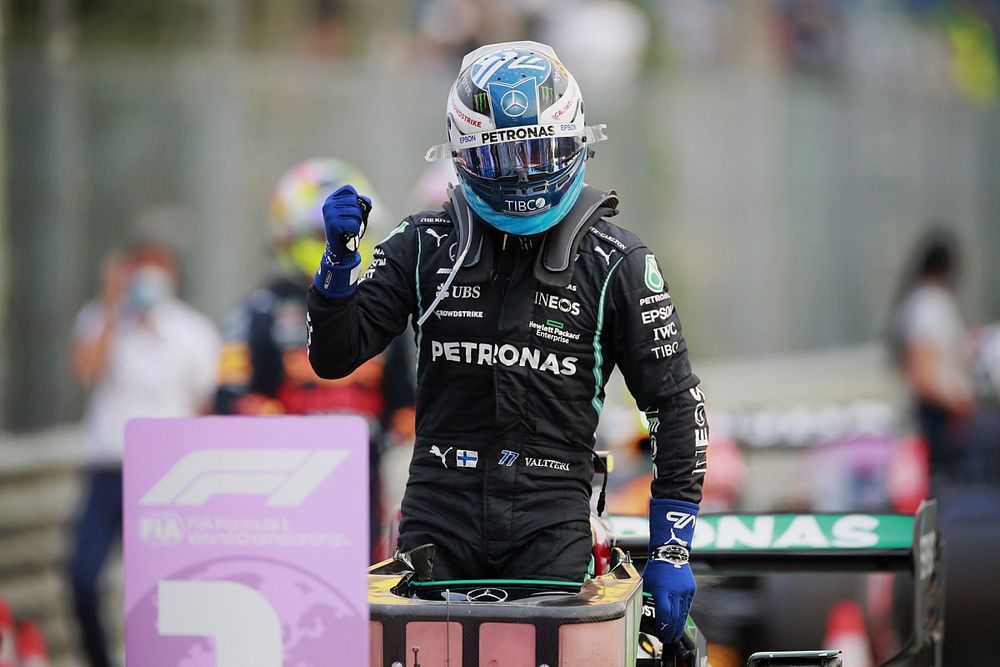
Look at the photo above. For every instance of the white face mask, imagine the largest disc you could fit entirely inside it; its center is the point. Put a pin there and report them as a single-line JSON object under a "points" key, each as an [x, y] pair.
{"points": [[148, 286]]}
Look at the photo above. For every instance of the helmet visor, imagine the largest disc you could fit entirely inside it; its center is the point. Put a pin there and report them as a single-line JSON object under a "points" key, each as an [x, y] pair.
{"points": [[520, 159]]}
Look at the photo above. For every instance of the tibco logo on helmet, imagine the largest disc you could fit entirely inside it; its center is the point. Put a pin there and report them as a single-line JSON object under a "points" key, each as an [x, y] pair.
{"points": [[521, 205], [517, 134]]}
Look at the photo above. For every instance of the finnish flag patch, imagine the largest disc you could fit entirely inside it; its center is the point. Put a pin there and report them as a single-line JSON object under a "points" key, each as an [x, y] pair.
{"points": [[467, 458]]}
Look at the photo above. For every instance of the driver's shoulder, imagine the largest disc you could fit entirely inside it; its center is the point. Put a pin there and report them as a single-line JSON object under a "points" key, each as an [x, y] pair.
{"points": [[430, 218], [429, 223], [614, 237]]}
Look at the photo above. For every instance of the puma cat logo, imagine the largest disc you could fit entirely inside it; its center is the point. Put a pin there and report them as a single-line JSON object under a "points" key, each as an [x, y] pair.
{"points": [[437, 237], [436, 451], [606, 256]]}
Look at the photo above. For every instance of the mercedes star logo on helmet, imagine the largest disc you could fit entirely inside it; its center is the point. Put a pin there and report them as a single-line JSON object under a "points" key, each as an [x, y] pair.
{"points": [[487, 595], [514, 103]]}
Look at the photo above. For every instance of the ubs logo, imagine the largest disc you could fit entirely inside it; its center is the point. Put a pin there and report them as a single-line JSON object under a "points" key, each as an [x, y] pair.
{"points": [[465, 291]]}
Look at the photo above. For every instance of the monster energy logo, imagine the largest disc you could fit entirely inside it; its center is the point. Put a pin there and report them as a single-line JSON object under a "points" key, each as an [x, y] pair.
{"points": [[480, 102], [548, 95]]}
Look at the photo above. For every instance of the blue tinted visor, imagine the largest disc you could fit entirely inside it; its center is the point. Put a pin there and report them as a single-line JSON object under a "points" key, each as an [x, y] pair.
{"points": [[520, 159]]}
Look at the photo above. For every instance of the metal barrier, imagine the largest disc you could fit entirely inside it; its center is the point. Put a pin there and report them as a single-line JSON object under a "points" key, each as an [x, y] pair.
{"points": [[39, 493]]}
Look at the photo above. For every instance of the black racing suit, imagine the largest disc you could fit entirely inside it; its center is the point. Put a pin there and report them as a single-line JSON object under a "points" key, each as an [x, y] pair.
{"points": [[510, 385]]}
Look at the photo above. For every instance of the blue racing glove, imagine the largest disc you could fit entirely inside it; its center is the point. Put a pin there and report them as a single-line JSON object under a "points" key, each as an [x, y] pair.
{"points": [[667, 575], [345, 217]]}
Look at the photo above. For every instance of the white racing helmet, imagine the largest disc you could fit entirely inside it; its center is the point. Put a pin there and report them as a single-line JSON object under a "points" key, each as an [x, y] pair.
{"points": [[516, 132]]}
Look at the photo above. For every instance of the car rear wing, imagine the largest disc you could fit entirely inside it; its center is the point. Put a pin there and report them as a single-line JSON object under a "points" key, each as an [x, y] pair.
{"points": [[738, 544]]}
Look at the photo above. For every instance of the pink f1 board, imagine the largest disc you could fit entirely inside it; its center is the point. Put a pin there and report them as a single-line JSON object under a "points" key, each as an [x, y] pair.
{"points": [[246, 542]]}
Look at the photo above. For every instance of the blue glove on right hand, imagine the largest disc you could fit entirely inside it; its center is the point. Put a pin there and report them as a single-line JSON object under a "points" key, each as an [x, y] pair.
{"points": [[345, 217], [668, 576]]}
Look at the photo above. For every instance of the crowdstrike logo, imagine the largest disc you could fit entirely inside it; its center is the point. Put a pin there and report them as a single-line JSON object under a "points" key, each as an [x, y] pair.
{"points": [[487, 354], [287, 477]]}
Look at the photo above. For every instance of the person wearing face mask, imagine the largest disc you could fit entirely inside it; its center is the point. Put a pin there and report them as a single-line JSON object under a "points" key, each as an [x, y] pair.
{"points": [[140, 352]]}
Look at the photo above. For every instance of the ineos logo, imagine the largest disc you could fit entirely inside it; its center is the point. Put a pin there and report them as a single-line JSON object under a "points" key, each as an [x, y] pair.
{"points": [[487, 595], [562, 304]]}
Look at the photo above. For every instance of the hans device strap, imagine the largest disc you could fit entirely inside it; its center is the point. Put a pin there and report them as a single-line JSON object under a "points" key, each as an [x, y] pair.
{"points": [[554, 266]]}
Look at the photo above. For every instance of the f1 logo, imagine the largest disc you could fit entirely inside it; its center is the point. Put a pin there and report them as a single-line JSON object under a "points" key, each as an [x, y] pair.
{"points": [[507, 457], [286, 476]]}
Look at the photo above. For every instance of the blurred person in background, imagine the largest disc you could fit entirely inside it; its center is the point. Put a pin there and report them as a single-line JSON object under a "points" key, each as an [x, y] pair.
{"points": [[264, 367], [928, 342], [523, 298], [141, 352]]}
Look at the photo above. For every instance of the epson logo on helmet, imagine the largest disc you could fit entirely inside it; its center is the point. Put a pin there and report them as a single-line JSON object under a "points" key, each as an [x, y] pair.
{"points": [[525, 205]]}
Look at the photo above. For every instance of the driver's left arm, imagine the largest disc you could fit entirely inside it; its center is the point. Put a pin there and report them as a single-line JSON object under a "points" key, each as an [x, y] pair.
{"points": [[653, 356]]}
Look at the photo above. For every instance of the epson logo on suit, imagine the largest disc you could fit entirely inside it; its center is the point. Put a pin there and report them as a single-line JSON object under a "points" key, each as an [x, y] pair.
{"points": [[661, 313]]}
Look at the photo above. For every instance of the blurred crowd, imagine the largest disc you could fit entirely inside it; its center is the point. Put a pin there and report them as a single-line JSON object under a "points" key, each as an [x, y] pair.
{"points": [[140, 348]]}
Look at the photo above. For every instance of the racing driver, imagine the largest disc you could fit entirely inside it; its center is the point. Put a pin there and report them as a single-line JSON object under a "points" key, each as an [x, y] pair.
{"points": [[522, 299]]}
